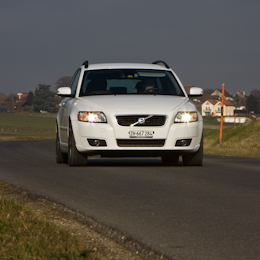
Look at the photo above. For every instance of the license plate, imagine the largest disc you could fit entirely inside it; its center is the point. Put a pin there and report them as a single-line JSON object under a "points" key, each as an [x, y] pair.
{"points": [[141, 134]]}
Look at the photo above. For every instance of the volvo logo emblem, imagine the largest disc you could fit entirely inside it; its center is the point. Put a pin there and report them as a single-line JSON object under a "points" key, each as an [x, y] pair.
{"points": [[141, 120]]}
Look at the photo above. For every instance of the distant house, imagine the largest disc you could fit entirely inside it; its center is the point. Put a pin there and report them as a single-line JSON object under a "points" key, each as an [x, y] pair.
{"points": [[240, 99], [26, 106], [217, 94], [212, 107], [21, 96], [3, 97]]}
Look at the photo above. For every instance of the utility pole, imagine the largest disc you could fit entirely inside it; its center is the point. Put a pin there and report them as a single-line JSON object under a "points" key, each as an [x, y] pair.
{"points": [[221, 120]]}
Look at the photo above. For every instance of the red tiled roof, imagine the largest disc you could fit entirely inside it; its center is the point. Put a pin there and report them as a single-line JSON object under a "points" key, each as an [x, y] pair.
{"points": [[21, 96], [228, 103], [214, 102]]}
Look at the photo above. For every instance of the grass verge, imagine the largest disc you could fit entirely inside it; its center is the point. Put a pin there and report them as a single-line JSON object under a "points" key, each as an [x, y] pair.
{"points": [[242, 140], [24, 235]]}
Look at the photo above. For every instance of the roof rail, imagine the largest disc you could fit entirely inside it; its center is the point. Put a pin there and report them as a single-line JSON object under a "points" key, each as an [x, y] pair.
{"points": [[160, 61], [85, 63]]}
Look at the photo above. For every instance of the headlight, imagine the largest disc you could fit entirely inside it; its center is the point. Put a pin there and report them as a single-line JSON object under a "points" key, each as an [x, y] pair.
{"points": [[186, 117], [92, 117]]}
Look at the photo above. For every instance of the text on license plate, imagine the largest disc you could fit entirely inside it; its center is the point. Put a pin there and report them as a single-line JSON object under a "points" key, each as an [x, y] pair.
{"points": [[141, 134]]}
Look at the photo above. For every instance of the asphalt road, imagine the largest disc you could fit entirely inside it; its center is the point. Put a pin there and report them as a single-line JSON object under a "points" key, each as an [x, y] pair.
{"points": [[208, 212]]}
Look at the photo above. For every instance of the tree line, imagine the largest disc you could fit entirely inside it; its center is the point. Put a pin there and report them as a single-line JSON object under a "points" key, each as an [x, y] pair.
{"points": [[253, 101], [43, 98]]}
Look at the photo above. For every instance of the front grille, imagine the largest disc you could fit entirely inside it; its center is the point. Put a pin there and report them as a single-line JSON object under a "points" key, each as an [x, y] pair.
{"points": [[140, 143], [133, 120]]}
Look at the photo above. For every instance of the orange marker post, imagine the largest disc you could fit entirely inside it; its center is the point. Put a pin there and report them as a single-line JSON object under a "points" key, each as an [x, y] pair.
{"points": [[221, 120]]}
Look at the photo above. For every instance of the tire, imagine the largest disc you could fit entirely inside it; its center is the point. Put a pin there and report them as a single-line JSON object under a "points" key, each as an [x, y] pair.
{"points": [[170, 159], [75, 158], [194, 159], [60, 156]]}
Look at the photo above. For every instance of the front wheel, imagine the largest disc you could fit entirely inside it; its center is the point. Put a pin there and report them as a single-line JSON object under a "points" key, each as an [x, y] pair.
{"points": [[75, 158], [194, 159]]}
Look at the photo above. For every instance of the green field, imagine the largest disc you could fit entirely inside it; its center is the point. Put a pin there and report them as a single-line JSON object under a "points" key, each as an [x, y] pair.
{"points": [[27, 127]]}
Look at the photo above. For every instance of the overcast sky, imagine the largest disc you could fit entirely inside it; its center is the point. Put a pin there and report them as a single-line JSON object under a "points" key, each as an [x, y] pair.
{"points": [[206, 42]]}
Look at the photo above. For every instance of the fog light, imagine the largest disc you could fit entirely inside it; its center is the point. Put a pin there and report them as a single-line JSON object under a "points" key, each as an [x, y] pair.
{"points": [[183, 142], [97, 142]]}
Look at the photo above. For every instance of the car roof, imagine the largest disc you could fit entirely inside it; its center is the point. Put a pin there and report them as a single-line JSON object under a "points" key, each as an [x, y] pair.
{"points": [[125, 66]]}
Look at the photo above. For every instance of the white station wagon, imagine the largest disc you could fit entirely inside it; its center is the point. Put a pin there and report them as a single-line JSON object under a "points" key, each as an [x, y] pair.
{"points": [[128, 110]]}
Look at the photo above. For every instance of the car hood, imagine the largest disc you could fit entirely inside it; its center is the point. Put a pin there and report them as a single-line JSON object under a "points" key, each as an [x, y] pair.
{"points": [[134, 104]]}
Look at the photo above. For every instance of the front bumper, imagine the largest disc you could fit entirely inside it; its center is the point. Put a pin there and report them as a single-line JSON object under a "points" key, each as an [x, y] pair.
{"points": [[111, 134]]}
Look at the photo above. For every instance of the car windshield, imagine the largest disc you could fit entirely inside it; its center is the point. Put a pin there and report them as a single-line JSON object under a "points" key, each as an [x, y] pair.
{"points": [[129, 81]]}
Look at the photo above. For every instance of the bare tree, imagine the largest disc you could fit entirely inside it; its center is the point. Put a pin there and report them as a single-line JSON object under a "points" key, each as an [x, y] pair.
{"points": [[255, 92], [63, 82], [11, 98]]}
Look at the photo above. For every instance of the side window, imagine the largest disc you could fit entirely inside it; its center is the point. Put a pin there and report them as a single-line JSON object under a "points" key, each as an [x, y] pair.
{"points": [[74, 82]]}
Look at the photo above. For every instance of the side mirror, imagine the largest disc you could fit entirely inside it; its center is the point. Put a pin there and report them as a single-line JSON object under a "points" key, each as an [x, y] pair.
{"points": [[64, 92], [195, 92]]}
